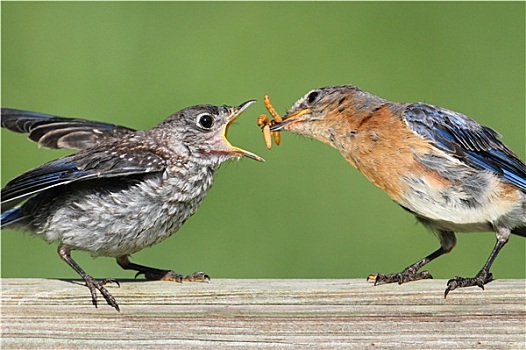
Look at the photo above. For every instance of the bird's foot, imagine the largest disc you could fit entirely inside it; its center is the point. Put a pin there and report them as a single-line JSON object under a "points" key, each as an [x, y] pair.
{"points": [[407, 275], [197, 277], [479, 280], [98, 285], [172, 276]]}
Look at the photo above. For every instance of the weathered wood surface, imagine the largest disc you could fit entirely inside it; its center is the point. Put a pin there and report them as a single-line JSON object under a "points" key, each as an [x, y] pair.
{"points": [[256, 314]]}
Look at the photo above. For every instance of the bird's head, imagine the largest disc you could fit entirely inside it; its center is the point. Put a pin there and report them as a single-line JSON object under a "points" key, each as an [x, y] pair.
{"points": [[203, 129], [314, 114]]}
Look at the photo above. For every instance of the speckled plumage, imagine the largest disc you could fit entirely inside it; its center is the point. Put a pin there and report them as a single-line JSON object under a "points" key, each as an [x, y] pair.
{"points": [[452, 173], [124, 190]]}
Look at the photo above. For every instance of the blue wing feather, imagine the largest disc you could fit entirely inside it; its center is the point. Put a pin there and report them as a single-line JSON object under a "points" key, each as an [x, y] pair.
{"points": [[477, 145], [82, 166], [54, 173], [11, 216]]}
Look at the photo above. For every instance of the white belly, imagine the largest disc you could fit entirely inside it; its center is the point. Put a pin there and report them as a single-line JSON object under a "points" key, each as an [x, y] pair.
{"points": [[123, 222]]}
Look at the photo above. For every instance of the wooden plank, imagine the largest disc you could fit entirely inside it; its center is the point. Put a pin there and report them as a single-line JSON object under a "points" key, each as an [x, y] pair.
{"points": [[264, 313]]}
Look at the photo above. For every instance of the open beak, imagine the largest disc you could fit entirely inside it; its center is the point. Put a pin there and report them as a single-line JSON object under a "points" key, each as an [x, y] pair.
{"points": [[236, 150], [289, 118]]}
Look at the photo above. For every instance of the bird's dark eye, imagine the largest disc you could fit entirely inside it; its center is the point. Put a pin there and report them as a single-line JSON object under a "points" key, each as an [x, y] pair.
{"points": [[312, 97], [205, 121]]}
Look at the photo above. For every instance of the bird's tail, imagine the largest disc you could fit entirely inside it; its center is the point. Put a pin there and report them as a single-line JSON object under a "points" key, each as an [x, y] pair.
{"points": [[520, 231], [11, 216]]}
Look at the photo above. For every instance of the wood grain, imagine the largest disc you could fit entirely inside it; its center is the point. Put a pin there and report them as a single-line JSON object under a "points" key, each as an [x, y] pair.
{"points": [[264, 313]]}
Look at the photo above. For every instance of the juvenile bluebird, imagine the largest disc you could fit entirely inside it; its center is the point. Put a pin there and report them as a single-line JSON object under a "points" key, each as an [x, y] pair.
{"points": [[125, 190], [452, 173]]}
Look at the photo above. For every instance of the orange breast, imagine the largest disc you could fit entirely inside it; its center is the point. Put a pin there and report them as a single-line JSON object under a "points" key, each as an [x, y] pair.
{"points": [[382, 148]]}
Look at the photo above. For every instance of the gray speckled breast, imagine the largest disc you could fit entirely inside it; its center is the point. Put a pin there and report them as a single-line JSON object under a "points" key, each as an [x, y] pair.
{"points": [[122, 218]]}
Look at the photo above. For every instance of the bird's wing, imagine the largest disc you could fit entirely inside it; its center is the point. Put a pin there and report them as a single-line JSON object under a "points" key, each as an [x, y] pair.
{"points": [[58, 132], [477, 145], [81, 166]]}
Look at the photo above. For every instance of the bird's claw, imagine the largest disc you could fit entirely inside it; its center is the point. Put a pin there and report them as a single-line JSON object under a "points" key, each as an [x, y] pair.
{"points": [[460, 282], [401, 277], [197, 277], [94, 286], [109, 280]]}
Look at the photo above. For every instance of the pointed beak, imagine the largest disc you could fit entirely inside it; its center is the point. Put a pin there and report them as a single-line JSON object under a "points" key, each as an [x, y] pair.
{"points": [[288, 119], [236, 150]]}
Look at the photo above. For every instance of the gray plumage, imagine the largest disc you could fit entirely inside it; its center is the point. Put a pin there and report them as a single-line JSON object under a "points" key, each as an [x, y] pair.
{"points": [[125, 189]]}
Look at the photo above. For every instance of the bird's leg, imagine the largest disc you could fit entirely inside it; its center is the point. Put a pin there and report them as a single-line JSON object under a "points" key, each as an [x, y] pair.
{"points": [[151, 273], [93, 285], [410, 273], [483, 277]]}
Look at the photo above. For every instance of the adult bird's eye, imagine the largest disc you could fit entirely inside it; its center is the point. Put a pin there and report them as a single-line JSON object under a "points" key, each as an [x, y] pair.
{"points": [[312, 97], [205, 121]]}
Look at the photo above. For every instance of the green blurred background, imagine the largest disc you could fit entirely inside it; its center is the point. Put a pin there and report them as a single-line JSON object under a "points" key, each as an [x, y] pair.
{"points": [[305, 213]]}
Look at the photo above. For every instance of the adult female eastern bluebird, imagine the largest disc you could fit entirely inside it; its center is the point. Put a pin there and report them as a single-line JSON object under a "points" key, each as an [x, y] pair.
{"points": [[453, 174], [124, 190]]}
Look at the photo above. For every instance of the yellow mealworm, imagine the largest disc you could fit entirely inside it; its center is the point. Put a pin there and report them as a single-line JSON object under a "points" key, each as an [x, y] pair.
{"points": [[277, 137], [266, 136], [271, 110], [262, 119]]}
